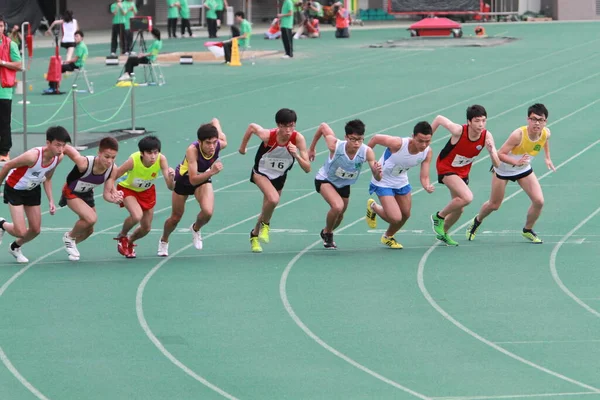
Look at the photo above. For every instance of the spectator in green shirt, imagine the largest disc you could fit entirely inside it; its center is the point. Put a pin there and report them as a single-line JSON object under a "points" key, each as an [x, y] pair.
{"points": [[172, 15], [184, 12], [12, 62], [77, 62], [131, 11], [243, 37], [143, 58], [286, 19], [221, 6], [211, 17], [118, 27]]}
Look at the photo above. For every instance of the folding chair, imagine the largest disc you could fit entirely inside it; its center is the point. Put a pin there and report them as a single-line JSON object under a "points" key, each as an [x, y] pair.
{"points": [[90, 85], [153, 74]]}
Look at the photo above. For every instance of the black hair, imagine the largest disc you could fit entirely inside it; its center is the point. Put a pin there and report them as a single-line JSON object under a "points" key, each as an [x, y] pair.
{"points": [[285, 116], [207, 131], [356, 127], [423, 128], [538, 109], [80, 33], [240, 14], [149, 143], [156, 33], [68, 16], [109, 143], [476, 111], [58, 133]]}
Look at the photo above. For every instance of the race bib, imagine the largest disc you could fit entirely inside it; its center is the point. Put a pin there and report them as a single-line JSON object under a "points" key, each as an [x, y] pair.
{"points": [[397, 170], [461, 161], [343, 174], [142, 183], [33, 184], [277, 164], [83, 187]]}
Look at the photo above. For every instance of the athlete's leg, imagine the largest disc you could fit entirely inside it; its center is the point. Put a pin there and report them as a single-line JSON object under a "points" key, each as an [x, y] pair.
{"points": [[145, 225], [270, 200], [18, 226], [177, 210], [206, 199], [388, 209], [496, 198], [461, 197], [404, 203], [84, 226], [135, 214], [531, 186], [337, 206], [34, 218]]}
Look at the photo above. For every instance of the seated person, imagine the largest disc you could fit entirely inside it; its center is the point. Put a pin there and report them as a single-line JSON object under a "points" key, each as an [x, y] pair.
{"points": [[274, 31], [77, 62], [342, 21], [242, 35], [143, 58]]}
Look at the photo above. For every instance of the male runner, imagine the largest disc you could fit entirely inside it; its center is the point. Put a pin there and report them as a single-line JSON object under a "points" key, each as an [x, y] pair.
{"points": [[78, 191], [394, 190], [280, 147], [193, 178], [139, 192], [454, 164], [516, 155], [22, 190], [340, 171]]}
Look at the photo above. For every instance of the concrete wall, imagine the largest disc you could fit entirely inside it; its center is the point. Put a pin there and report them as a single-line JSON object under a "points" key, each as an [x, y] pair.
{"points": [[576, 9]]}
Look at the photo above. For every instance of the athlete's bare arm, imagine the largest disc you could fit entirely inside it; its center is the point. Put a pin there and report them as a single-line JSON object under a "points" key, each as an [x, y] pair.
{"points": [[393, 143], [125, 167], [325, 131], [547, 152], [513, 141], [491, 148], [78, 159], [48, 189], [27, 159], [375, 166], [256, 129], [110, 193], [424, 174], [168, 172], [299, 152], [452, 127], [222, 136], [197, 178]]}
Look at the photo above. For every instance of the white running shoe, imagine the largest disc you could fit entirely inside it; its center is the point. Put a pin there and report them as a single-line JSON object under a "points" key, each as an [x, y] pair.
{"points": [[18, 254], [163, 248], [70, 245], [197, 238]]}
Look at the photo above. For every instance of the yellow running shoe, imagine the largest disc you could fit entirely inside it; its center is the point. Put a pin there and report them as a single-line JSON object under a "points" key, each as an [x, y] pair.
{"points": [[371, 215], [531, 236], [390, 242], [263, 234], [255, 244]]}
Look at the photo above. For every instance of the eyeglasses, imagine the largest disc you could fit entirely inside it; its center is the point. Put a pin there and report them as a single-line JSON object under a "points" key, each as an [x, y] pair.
{"points": [[538, 120], [355, 139]]}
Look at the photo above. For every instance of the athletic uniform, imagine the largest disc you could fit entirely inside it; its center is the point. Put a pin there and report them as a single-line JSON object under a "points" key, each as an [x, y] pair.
{"points": [[274, 160], [527, 146], [456, 159], [22, 187], [68, 34], [139, 182], [81, 184], [394, 166], [341, 171], [183, 186]]}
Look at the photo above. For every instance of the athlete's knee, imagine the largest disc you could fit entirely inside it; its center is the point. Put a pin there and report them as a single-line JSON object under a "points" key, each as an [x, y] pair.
{"points": [[145, 228], [272, 199], [175, 217], [20, 231], [538, 202], [34, 230], [466, 198], [494, 205], [338, 208], [206, 215], [90, 220]]}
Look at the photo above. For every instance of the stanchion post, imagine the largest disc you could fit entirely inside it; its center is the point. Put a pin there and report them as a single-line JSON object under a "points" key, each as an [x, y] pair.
{"points": [[74, 91], [134, 130], [24, 79]]}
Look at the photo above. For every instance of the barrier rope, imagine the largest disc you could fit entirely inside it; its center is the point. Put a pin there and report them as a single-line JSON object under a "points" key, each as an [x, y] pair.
{"points": [[63, 104], [111, 117]]}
